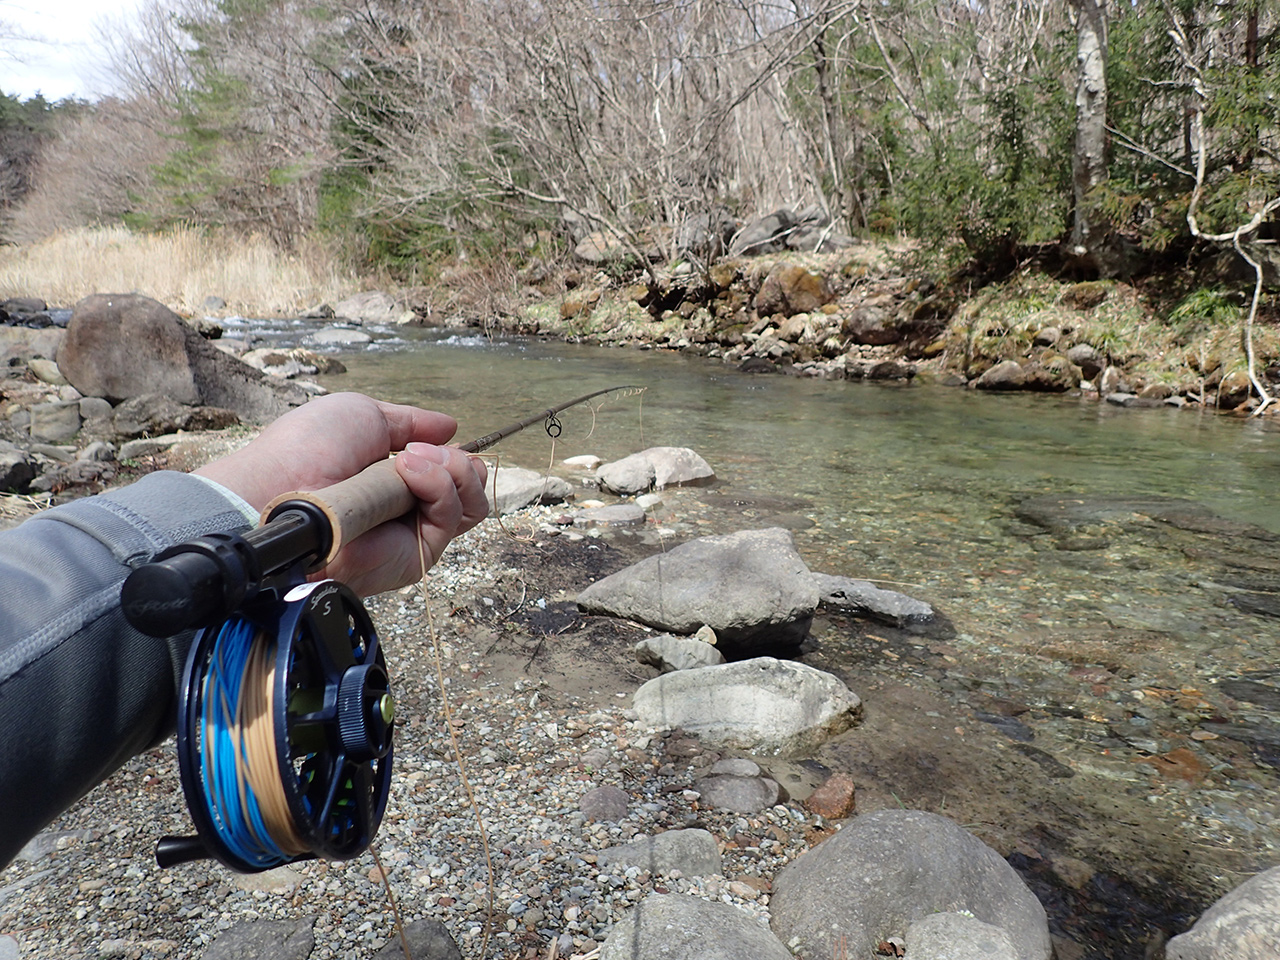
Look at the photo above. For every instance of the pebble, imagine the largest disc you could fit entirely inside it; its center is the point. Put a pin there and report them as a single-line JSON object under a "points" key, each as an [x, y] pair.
{"points": [[604, 803]]}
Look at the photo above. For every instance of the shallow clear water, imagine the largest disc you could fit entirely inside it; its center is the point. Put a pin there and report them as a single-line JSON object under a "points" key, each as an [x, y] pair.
{"points": [[934, 460], [913, 484]]}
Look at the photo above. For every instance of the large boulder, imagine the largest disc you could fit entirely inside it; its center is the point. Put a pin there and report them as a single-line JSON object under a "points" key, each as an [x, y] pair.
{"points": [[762, 706], [372, 306], [871, 322], [811, 238], [1005, 375], [676, 927], [119, 346], [706, 234], [1243, 925], [766, 234], [885, 871], [750, 587]]}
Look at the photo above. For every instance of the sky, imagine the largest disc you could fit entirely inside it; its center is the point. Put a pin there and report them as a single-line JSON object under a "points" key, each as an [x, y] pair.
{"points": [[65, 64]]}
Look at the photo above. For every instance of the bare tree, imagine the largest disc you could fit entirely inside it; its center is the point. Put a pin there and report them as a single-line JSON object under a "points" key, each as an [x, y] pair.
{"points": [[1244, 237], [1089, 157], [91, 171]]}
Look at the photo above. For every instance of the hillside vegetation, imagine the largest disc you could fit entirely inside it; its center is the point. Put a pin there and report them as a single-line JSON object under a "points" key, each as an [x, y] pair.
{"points": [[455, 143]]}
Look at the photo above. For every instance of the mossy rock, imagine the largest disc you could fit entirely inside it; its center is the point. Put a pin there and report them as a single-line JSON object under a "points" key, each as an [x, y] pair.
{"points": [[616, 320], [1087, 295], [724, 274], [542, 316]]}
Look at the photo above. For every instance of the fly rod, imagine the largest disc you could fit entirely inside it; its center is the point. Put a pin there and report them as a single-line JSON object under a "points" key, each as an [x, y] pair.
{"points": [[202, 581]]}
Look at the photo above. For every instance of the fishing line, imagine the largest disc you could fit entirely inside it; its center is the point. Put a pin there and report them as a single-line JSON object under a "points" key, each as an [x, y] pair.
{"points": [[243, 793], [453, 740]]}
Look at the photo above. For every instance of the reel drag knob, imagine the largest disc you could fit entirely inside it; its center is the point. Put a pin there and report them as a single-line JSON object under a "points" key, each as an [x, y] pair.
{"points": [[366, 711]]}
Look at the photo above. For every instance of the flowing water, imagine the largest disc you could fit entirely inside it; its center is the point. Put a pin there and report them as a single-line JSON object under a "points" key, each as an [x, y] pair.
{"points": [[1112, 572]]}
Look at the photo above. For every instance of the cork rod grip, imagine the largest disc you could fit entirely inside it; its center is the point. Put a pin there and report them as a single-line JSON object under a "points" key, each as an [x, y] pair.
{"points": [[357, 504]]}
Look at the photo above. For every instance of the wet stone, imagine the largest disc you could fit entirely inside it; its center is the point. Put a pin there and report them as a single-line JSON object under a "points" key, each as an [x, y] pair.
{"points": [[1051, 766], [1263, 694], [616, 515], [1010, 727], [1262, 604]]}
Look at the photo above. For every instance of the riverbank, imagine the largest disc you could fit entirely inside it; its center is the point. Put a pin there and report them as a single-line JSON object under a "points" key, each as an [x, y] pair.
{"points": [[870, 310], [1125, 829], [541, 703]]}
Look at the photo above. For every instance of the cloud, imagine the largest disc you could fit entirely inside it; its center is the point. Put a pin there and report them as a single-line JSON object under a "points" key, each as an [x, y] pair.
{"points": [[59, 57]]}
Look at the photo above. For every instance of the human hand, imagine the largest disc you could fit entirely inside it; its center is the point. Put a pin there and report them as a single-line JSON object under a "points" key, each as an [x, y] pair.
{"points": [[334, 437]]}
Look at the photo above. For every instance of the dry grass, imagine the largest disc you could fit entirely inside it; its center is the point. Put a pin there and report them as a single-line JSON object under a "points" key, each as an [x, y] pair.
{"points": [[179, 268]]}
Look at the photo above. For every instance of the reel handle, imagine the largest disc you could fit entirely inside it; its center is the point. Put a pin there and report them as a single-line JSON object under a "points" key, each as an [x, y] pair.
{"points": [[353, 506], [171, 851]]}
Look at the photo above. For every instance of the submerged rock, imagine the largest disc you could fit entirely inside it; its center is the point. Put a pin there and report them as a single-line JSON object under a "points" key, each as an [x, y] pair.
{"points": [[864, 599]]}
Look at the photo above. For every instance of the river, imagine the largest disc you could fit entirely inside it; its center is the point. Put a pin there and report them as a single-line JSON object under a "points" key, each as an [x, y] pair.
{"points": [[1111, 573]]}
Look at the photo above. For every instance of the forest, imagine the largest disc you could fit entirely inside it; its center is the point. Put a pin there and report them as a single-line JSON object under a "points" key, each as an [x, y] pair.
{"points": [[1101, 139]]}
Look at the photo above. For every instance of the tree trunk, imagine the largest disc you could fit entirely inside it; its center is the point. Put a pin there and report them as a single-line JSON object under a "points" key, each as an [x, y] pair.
{"points": [[1089, 158]]}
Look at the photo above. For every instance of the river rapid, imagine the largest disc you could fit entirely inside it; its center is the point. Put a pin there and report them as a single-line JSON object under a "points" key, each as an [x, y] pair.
{"points": [[1107, 582]]}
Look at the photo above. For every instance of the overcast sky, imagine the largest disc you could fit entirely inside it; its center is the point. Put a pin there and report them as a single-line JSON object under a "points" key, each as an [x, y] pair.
{"points": [[65, 64]]}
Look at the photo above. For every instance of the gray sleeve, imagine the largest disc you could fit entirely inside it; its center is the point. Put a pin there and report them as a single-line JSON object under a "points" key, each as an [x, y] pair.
{"points": [[80, 690]]}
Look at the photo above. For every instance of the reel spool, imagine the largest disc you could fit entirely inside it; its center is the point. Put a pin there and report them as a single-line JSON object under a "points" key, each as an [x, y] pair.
{"points": [[285, 724]]}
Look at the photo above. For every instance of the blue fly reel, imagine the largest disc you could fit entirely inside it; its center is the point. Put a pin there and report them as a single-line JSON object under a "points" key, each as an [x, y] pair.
{"points": [[285, 724]]}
